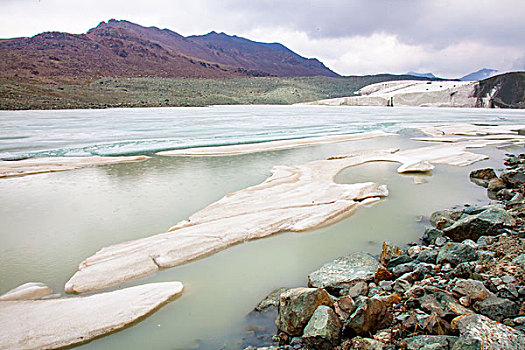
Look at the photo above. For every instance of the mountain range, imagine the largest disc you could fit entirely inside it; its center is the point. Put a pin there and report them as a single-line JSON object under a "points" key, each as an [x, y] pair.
{"points": [[124, 49], [474, 76]]}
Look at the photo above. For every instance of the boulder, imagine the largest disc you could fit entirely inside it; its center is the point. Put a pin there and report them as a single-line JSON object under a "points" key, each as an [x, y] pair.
{"points": [[323, 330], [456, 253], [271, 300], [64, 322], [443, 305], [445, 218], [513, 178], [343, 273], [428, 256], [421, 342], [473, 289], [497, 308], [27, 291], [344, 307], [488, 334], [482, 177], [485, 223], [297, 305], [496, 184], [371, 315], [431, 234]]}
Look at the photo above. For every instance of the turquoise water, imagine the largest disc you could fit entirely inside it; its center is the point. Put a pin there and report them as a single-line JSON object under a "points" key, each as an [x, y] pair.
{"points": [[147, 130], [51, 222]]}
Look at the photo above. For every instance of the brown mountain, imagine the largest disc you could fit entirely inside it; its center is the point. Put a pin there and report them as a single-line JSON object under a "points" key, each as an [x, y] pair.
{"points": [[125, 49]]}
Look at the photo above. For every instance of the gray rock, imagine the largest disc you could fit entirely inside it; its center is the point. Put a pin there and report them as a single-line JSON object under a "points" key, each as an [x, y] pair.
{"points": [[519, 260], [371, 315], [481, 177], [359, 288], [401, 286], [489, 334], [473, 289], [456, 253], [340, 275], [359, 343], [467, 344], [421, 341], [402, 259], [296, 306], [271, 300], [496, 184], [428, 256], [464, 270], [513, 178], [323, 329], [470, 243], [445, 218], [401, 269], [443, 305], [440, 241], [485, 223], [431, 234], [497, 308]]}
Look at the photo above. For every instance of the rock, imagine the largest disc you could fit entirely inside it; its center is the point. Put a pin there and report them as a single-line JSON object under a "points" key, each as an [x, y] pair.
{"points": [[473, 289], [456, 253], [402, 259], [297, 305], [482, 177], [414, 251], [519, 260], [64, 322], [344, 307], [371, 315], [442, 304], [386, 285], [489, 334], [431, 234], [467, 344], [27, 291], [440, 241], [401, 269], [513, 178], [495, 184], [401, 286], [340, 275], [423, 341], [497, 308], [359, 288], [445, 218], [464, 270], [323, 329], [428, 256], [359, 343], [485, 223], [389, 252], [505, 194], [470, 243], [382, 274], [271, 300]]}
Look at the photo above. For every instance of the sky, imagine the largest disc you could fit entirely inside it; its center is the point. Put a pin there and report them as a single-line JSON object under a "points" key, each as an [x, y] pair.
{"points": [[449, 38]]}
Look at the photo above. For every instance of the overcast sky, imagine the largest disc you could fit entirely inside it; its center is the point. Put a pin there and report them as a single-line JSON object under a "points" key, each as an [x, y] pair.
{"points": [[447, 37]]}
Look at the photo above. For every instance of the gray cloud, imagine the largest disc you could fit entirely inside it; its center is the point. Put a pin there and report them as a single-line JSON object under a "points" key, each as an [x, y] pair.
{"points": [[352, 36]]}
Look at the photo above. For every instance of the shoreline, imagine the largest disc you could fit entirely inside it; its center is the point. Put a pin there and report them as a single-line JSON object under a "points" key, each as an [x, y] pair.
{"points": [[462, 286]]}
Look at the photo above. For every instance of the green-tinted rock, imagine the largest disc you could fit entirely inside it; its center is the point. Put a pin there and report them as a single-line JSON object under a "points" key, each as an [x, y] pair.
{"points": [[341, 274], [323, 330], [497, 308], [485, 223], [431, 234], [445, 218], [467, 344], [419, 342], [456, 253], [489, 334], [296, 306]]}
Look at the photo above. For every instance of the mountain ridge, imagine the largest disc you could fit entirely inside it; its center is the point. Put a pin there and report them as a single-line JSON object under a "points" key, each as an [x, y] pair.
{"points": [[125, 49]]}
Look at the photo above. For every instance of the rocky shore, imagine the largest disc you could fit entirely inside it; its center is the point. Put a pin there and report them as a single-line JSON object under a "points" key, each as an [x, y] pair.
{"points": [[461, 287]]}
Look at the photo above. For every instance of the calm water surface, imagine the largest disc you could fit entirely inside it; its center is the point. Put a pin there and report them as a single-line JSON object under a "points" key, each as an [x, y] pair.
{"points": [[51, 222]]}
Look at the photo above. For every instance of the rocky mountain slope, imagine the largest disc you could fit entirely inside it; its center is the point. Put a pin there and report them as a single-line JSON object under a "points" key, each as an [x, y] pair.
{"points": [[505, 90], [125, 49]]}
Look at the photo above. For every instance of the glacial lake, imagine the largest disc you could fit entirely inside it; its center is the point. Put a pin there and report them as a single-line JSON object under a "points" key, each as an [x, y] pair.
{"points": [[50, 222]]}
